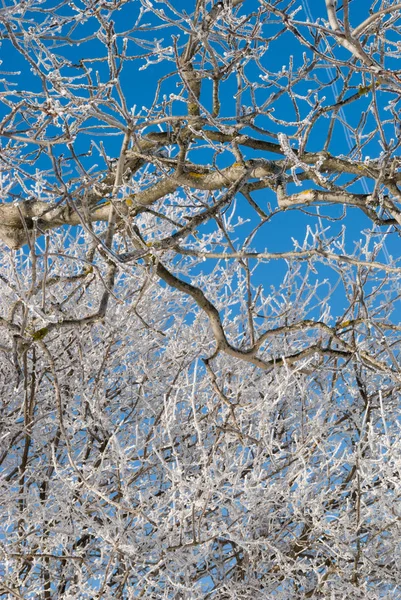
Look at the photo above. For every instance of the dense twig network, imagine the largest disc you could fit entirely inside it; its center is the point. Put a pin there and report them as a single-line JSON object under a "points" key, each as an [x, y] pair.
{"points": [[200, 307]]}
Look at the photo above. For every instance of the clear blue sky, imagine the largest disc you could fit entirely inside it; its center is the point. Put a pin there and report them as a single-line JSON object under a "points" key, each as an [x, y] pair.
{"points": [[139, 87]]}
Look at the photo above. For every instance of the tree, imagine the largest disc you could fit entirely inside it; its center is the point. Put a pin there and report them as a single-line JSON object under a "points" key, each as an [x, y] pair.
{"points": [[200, 315]]}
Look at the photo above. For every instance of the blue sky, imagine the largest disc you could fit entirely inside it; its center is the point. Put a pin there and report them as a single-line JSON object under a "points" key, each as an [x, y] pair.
{"points": [[139, 86]]}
